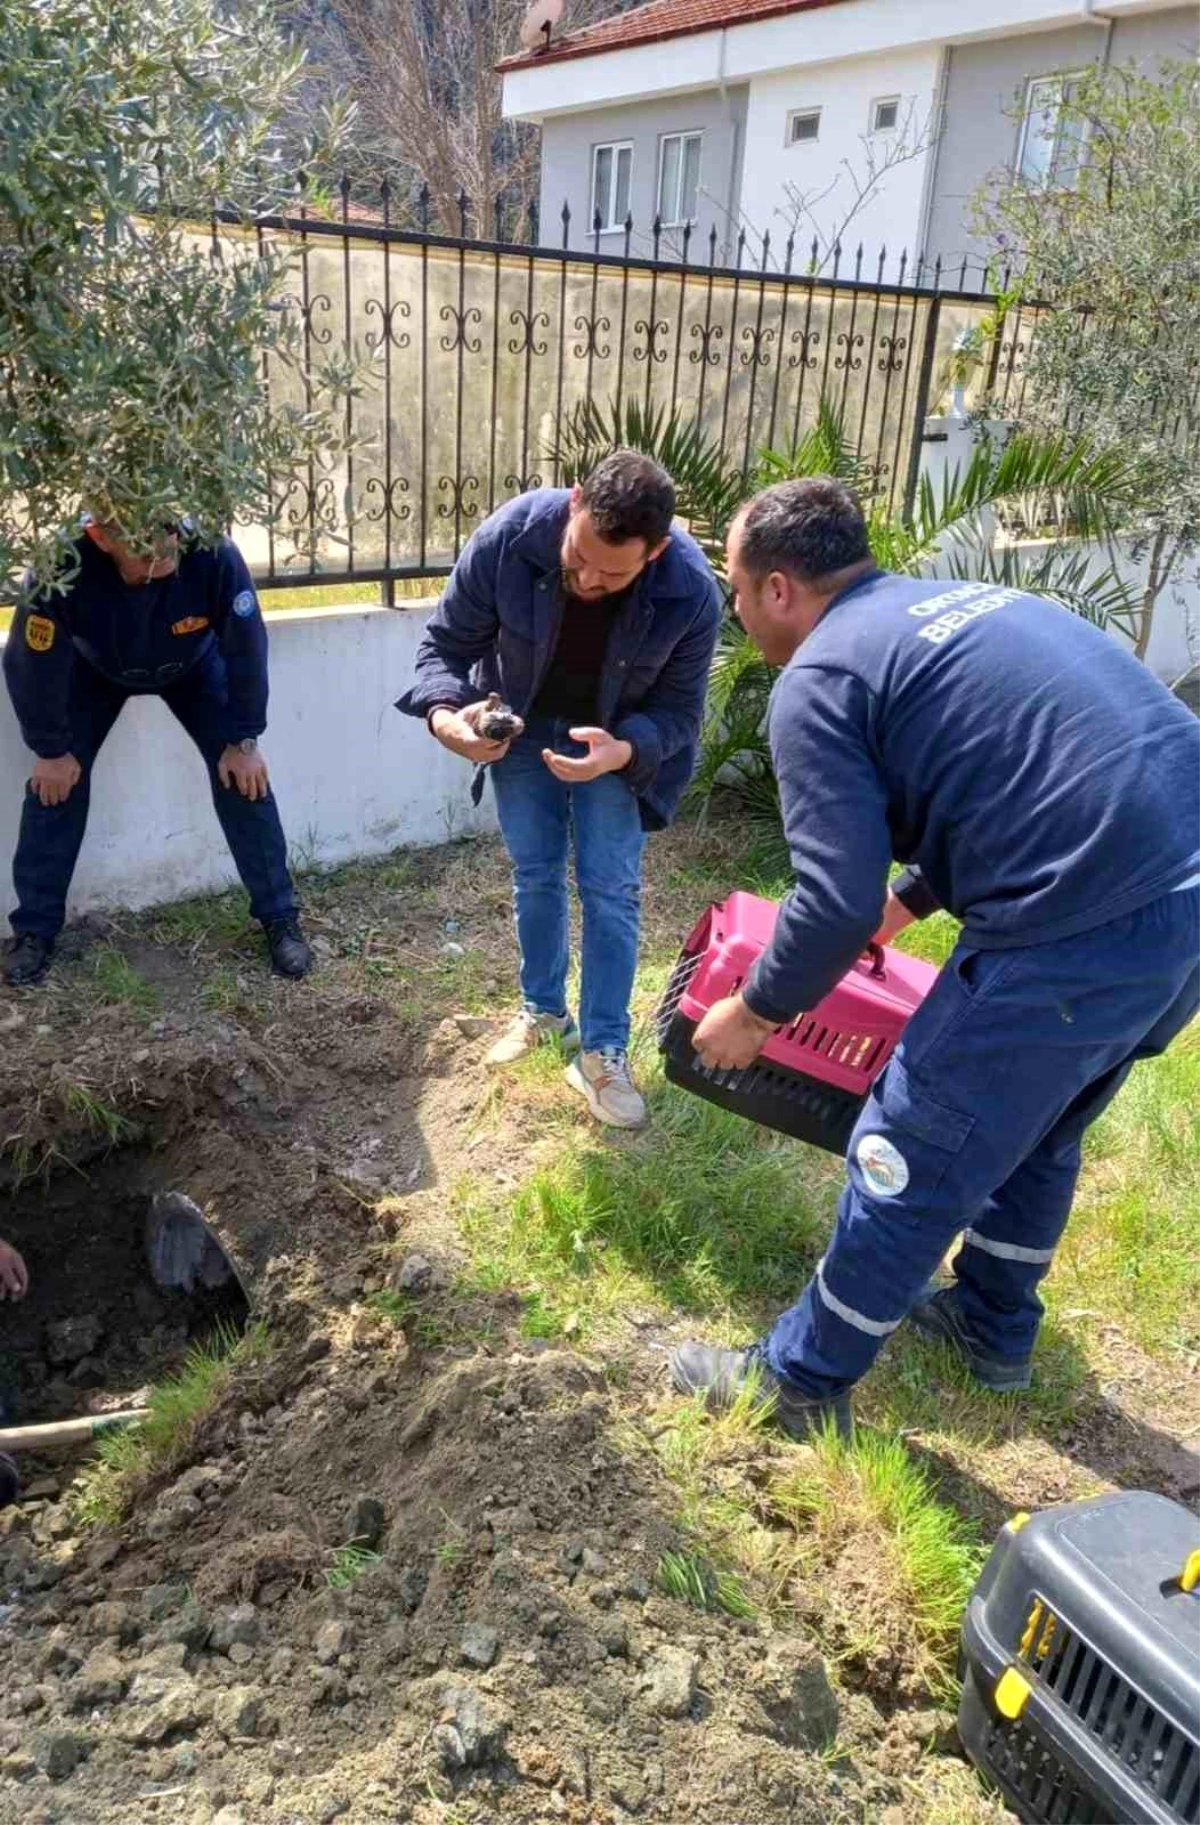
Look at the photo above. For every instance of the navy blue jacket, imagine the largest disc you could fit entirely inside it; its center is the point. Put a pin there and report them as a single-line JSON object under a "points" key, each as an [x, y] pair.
{"points": [[144, 638], [496, 627], [1042, 780]]}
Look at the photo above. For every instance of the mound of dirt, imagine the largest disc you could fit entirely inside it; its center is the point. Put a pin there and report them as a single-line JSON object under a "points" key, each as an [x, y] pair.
{"points": [[502, 1644], [409, 1574]]}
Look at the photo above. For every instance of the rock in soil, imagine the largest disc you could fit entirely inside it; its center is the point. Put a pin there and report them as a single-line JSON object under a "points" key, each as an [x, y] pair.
{"points": [[365, 1522], [239, 1711], [333, 1640], [479, 1645], [793, 1698], [669, 1682], [59, 1752], [68, 1340], [469, 1731], [101, 1680], [238, 1625]]}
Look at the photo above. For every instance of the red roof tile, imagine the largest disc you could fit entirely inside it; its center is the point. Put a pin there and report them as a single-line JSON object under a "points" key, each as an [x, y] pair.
{"points": [[655, 21]]}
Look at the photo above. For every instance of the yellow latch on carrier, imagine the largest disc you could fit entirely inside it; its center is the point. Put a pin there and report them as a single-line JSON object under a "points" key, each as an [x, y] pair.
{"points": [[1012, 1694]]}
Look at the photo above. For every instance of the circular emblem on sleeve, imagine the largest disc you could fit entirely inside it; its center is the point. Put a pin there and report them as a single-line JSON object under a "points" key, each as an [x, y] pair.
{"points": [[244, 604], [883, 1166]]}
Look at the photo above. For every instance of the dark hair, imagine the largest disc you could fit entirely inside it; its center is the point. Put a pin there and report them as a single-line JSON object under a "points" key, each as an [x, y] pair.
{"points": [[630, 496], [810, 528]]}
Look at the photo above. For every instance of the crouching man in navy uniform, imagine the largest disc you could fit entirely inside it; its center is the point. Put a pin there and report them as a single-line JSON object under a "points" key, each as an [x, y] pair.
{"points": [[1044, 785], [182, 624], [596, 621]]}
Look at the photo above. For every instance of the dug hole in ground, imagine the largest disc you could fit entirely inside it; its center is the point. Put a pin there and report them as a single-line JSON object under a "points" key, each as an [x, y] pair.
{"points": [[389, 1554]]}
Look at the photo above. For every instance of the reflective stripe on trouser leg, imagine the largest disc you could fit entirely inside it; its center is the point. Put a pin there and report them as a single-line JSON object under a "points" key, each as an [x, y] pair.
{"points": [[873, 1327], [879, 1260], [1006, 1251]]}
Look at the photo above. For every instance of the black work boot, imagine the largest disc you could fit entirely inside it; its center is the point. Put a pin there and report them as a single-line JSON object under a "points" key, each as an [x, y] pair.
{"points": [[722, 1375], [936, 1314], [290, 955], [26, 960]]}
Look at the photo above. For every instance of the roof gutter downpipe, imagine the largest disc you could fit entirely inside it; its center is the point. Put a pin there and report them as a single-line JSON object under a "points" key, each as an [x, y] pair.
{"points": [[734, 141], [1089, 15]]}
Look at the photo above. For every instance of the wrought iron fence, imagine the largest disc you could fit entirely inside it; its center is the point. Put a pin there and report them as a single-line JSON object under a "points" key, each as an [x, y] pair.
{"points": [[475, 350]]}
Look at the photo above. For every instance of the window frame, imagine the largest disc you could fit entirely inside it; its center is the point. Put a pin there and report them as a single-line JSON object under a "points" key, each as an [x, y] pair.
{"points": [[795, 114], [682, 134], [1060, 81], [884, 101], [616, 147]]}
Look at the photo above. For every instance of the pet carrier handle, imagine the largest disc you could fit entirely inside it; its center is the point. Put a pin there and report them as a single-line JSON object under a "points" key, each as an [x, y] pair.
{"points": [[874, 956]]}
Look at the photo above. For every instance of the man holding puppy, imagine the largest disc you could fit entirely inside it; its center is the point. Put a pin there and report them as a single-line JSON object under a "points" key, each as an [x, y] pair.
{"points": [[594, 621]]}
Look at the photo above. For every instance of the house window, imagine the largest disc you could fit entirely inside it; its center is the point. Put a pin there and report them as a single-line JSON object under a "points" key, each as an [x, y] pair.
{"points": [[612, 168], [1052, 147], [803, 126], [885, 114], [678, 178]]}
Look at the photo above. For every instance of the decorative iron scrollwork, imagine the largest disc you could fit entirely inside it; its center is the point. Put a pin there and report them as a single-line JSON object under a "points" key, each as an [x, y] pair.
{"points": [[528, 323], [707, 334], [592, 328], [461, 337], [651, 329], [387, 332]]}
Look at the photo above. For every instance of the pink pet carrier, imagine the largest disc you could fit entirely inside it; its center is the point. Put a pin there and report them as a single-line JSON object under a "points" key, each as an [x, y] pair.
{"points": [[811, 1078]]}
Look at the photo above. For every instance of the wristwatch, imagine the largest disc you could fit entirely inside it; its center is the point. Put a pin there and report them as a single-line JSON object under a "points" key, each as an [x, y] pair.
{"points": [[249, 746]]}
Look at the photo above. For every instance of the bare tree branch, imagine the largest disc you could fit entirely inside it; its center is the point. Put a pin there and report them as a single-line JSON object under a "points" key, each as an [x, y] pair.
{"points": [[430, 102]]}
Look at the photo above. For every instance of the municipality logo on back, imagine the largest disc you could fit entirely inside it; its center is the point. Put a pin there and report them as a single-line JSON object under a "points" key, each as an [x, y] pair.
{"points": [[244, 604], [883, 1166]]}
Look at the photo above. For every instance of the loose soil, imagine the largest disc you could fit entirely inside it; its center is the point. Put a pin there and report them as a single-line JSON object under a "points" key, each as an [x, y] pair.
{"points": [[503, 1652]]}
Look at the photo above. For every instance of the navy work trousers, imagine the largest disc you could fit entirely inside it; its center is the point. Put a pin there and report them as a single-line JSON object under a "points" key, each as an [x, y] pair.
{"points": [[976, 1127], [51, 835]]}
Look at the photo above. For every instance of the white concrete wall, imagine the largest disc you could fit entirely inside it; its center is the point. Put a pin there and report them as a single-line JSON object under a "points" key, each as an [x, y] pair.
{"points": [[354, 777], [822, 169]]}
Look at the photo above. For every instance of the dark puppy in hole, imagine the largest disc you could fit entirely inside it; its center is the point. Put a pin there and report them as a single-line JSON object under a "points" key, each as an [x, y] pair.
{"points": [[180, 1248]]}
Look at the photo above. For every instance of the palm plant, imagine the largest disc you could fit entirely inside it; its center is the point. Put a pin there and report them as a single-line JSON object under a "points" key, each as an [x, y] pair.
{"points": [[1031, 481]]}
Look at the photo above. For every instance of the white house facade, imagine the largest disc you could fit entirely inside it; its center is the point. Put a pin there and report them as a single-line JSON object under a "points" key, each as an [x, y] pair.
{"points": [[873, 120]]}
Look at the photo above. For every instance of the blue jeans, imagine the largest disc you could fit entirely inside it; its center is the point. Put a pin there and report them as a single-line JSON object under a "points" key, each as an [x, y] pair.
{"points": [[51, 835], [539, 815], [977, 1125]]}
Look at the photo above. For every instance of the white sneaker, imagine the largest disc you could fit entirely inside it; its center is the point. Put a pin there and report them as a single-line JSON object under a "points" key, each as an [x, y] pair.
{"points": [[603, 1079], [528, 1031]]}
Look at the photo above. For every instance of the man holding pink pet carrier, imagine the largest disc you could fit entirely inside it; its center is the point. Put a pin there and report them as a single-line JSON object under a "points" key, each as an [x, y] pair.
{"points": [[1043, 785]]}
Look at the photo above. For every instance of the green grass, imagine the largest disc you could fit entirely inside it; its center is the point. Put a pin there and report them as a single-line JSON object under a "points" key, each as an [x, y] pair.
{"points": [[349, 1563], [219, 920], [106, 1488], [918, 1558], [1130, 1253], [395, 1307], [344, 595], [117, 981], [80, 1101], [695, 1580], [702, 1212]]}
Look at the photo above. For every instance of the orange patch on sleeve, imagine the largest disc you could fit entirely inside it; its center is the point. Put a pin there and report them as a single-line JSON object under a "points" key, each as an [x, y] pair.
{"points": [[39, 633]]}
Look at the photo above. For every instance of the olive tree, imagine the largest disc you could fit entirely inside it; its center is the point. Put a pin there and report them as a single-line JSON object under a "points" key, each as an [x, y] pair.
{"points": [[1108, 233], [134, 342]]}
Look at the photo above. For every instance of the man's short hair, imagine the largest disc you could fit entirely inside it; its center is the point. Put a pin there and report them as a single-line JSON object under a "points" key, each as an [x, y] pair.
{"points": [[629, 496], [810, 528]]}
